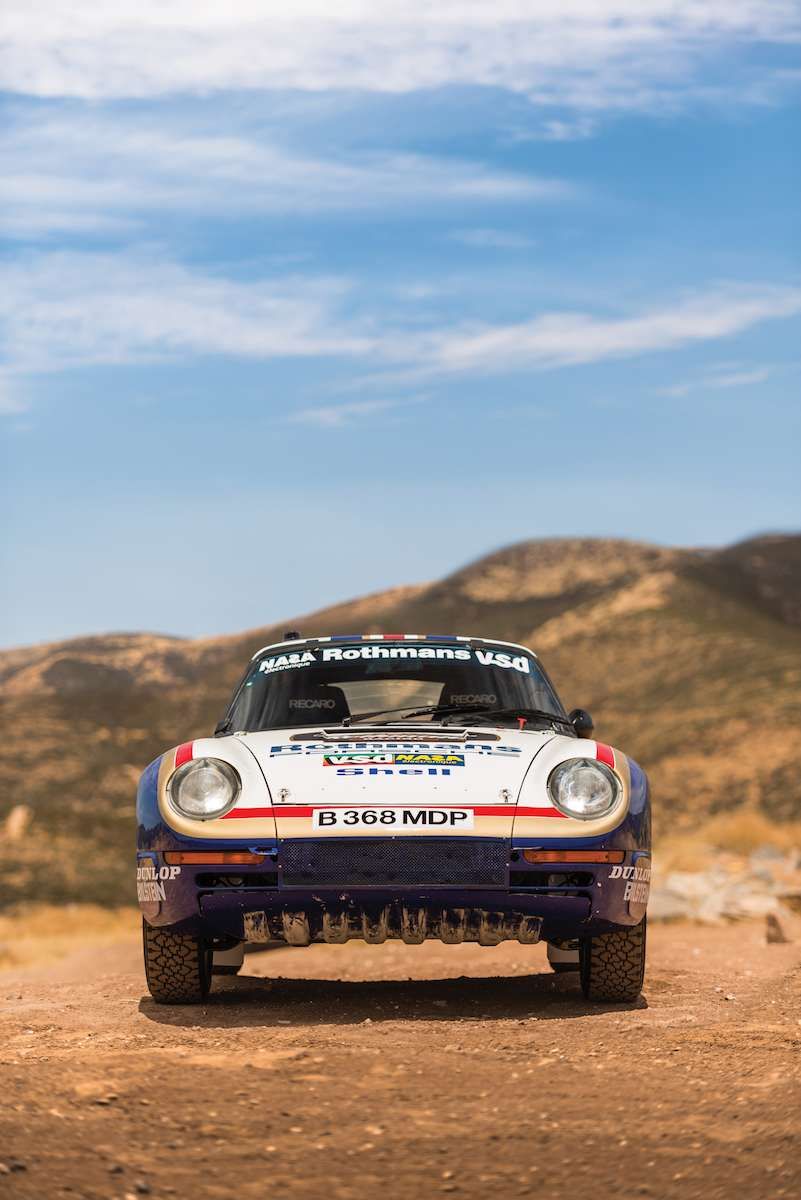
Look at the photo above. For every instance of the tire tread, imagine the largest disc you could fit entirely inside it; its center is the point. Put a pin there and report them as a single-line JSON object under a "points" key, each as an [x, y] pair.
{"points": [[176, 966], [613, 965]]}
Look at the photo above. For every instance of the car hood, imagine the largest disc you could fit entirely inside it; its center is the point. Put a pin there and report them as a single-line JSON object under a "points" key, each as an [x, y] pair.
{"points": [[394, 782], [447, 769], [341, 766]]}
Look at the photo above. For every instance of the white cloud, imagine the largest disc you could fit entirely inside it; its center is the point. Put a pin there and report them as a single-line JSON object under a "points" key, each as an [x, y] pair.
{"points": [[90, 172], [62, 310], [67, 310], [568, 339], [721, 377], [588, 54], [740, 378], [576, 129], [334, 416]]}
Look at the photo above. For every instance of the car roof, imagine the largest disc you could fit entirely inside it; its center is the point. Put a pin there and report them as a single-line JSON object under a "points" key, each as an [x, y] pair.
{"points": [[298, 642]]}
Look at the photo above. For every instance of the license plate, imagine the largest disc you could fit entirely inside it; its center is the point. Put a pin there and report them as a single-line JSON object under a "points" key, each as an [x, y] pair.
{"points": [[381, 820]]}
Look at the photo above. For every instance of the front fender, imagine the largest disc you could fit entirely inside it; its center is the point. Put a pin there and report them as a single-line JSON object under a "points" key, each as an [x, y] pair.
{"points": [[534, 793], [161, 827]]}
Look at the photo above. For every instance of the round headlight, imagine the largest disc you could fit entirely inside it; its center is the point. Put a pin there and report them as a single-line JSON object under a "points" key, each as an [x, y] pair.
{"points": [[584, 788], [204, 788]]}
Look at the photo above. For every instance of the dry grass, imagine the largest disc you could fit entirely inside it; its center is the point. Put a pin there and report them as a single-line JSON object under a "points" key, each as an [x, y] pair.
{"points": [[737, 833], [33, 933]]}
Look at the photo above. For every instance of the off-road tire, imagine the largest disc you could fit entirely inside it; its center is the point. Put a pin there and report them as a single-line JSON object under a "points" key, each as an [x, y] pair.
{"points": [[177, 966], [613, 965]]}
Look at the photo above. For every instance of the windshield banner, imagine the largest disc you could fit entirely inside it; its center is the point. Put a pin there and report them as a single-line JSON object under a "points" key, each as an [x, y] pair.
{"points": [[338, 654]]}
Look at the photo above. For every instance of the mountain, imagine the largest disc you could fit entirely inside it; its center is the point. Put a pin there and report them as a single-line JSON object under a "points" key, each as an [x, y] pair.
{"points": [[690, 660]]}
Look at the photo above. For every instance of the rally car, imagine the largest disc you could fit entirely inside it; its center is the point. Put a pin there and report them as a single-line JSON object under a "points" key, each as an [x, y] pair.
{"points": [[394, 786]]}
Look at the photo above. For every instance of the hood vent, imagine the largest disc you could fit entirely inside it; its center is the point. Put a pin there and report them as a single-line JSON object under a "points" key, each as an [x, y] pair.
{"points": [[402, 733]]}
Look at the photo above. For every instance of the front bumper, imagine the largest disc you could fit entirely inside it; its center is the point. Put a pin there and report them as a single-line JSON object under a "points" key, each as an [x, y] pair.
{"points": [[454, 890]]}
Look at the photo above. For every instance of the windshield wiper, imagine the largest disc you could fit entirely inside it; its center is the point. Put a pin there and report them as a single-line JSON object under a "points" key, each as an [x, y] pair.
{"points": [[477, 710], [419, 712], [486, 710], [529, 714]]}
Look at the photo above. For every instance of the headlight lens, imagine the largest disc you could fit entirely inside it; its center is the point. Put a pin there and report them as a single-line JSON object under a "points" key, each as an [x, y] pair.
{"points": [[584, 788], [204, 788]]}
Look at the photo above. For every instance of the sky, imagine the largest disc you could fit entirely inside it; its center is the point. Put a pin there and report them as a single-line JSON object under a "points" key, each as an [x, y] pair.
{"points": [[302, 301]]}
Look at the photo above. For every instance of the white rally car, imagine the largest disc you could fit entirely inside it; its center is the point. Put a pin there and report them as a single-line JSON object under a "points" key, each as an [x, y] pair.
{"points": [[394, 786]]}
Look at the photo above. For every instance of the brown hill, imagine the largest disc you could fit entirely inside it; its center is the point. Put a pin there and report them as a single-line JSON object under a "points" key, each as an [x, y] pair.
{"points": [[690, 660]]}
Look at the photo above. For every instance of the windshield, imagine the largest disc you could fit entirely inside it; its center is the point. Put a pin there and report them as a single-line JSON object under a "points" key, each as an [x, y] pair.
{"points": [[325, 685]]}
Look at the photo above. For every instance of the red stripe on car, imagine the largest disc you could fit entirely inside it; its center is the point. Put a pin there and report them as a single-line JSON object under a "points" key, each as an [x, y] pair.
{"points": [[480, 810], [605, 754], [184, 753]]}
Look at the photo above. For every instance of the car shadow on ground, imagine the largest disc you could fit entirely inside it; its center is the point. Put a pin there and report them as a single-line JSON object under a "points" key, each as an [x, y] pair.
{"points": [[248, 1001]]}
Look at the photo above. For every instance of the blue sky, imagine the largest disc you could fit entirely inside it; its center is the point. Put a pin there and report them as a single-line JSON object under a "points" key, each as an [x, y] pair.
{"points": [[295, 307]]}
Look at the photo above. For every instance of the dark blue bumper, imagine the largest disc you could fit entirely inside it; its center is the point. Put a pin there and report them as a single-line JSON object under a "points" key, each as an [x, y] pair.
{"points": [[564, 900], [310, 889]]}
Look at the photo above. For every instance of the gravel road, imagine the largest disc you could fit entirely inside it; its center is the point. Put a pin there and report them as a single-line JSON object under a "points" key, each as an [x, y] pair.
{"points": [[408, 1072]]}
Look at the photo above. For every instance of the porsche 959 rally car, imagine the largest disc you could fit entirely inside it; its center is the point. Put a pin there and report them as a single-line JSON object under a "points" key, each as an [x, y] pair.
{"points": [[394, 786]]}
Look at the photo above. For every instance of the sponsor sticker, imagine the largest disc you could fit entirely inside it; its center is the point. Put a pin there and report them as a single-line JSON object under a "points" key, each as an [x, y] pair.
{"points": [[368, 747], [486, 658], [382, 770], [638, 882], [508, 662], [641, 874], [381, 757], [150, 882], [392, 818], [637, 893], [420, 759], [388, 759], [355, 653], [286, 662]]}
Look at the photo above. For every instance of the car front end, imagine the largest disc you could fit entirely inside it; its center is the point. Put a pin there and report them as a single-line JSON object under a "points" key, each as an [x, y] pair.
{"points": [[472, 819]]}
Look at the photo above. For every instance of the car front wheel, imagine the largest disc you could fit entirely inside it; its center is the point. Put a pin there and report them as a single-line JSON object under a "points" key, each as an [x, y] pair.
{"points": [[177, 966], [613, 965]]}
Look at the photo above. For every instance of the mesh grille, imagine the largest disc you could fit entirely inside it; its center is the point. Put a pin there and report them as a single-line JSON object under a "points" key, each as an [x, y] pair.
{"points": [[376, 862]]}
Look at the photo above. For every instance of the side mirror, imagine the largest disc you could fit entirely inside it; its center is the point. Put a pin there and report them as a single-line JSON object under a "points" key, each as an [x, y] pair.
{"points": [[582, 722]]}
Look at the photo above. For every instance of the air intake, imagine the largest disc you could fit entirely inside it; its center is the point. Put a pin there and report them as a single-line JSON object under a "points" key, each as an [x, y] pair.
{"points": [[396, 862]]}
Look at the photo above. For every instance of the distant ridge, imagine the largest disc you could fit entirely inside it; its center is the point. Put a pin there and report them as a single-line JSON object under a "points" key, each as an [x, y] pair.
{"points": [[689, 659]]}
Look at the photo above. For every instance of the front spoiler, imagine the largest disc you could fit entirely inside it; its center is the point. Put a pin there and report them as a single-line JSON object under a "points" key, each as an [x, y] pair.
{"points": [[300, 917], [412, 919]]}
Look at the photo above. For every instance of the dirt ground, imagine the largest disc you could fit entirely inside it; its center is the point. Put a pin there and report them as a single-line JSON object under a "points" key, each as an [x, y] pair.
{"points": [[407, 1072]]}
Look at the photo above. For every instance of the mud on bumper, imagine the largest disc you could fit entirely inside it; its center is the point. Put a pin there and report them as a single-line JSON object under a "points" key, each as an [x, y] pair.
{"points": [[332, 890]]}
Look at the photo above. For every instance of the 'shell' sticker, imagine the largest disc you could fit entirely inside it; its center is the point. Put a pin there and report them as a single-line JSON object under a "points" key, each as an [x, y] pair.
{"points": [[392, 818]]}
